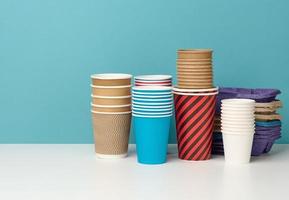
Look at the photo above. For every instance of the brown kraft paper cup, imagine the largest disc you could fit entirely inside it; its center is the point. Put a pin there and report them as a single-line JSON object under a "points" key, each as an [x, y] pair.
{"points": [[111, 101], [192, 70], [111, 133], [106, 91], [195, 123], [195, 54], [111, 109], [193, 63], [111, 79]]}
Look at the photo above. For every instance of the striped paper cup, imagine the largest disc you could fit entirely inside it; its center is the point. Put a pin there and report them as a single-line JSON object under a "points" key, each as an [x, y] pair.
{"points": [[194, 114]]}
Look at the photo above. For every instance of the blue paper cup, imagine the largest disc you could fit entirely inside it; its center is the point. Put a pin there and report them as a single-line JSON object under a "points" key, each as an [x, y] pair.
{"points": [[138, 100], [151, 136], [152, 110], [154, 104], [143, 96], [152, 89]]}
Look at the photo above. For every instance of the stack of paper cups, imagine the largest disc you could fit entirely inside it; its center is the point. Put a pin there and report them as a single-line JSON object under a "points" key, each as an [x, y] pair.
{"points": [[153, 80], [111, 114], [194, 67], [152, 108], [238, 127], [194, 113]]}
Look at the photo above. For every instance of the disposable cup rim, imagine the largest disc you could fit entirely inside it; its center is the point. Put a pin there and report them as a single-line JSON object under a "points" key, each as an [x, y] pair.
{"points": [[238, 133], [153, 77], [152, 88], [153, 81], [196, 94], [151, 93], [148, 113], [165, 84], [169, 106], [110, 87], [147, 104], [175, 88], [111, 76], [147, 116], [238, 101], [149, 110], [110, 97], [152, 100], [160, 97], [110, 106], [196, 51], [111, 113]]}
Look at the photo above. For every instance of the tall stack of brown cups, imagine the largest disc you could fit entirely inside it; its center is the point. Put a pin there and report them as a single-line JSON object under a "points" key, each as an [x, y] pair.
{"points": [[195, 102], [194, 67], [111, 114]]}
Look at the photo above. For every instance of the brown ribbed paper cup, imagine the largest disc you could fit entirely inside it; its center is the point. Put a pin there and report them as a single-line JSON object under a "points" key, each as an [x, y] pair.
{"points": [[111, 90], [195, 54], [111, 100], [116, 79], [111, 134], [113, 109]]}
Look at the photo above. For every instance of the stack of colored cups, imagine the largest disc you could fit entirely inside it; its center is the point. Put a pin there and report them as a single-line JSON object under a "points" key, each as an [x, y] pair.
{"points": [[194, 67], [152, 109], [194, 113], [238, 127], [153, 80], [111, 114]]}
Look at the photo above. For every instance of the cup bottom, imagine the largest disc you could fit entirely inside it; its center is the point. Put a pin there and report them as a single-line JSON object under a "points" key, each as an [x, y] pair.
{"points": [[108, 156]]}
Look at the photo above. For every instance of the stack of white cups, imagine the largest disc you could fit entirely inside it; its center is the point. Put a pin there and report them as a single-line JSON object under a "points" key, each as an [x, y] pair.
{"points": [[238, 127]]}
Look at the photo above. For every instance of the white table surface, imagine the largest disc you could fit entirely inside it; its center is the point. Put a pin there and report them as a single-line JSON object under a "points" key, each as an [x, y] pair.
{"points": [[40, 172]]}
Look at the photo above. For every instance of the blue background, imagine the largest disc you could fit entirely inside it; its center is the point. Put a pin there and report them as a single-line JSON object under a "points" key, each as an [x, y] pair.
{"points": [[49, 48]]}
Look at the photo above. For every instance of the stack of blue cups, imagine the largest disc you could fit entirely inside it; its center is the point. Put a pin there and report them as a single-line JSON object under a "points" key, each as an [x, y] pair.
{"points": [[152, 110]]}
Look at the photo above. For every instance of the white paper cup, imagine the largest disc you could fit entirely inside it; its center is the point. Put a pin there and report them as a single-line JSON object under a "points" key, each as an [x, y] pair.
{"points": [[237, 125], [235, 130], [237, 116], [238, 102], [237, 120], [238, 113], [237, 147]]}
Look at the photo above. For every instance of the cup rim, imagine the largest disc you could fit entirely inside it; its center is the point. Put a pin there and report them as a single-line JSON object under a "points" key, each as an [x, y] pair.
{"points": [[151, 93], [147, 116], [160, 97], [236, 108], [195, 50], [175, 88], [110, 106], [148, 113], [151, 103], [149, 110], [169, 106], [153, 88], [238, 133], [110, 97], [153, 81], [140, 84], [110, 87], [153, 77], [110, 113], [110, 76], [152, 100], [196, 94], [233, 101]]}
